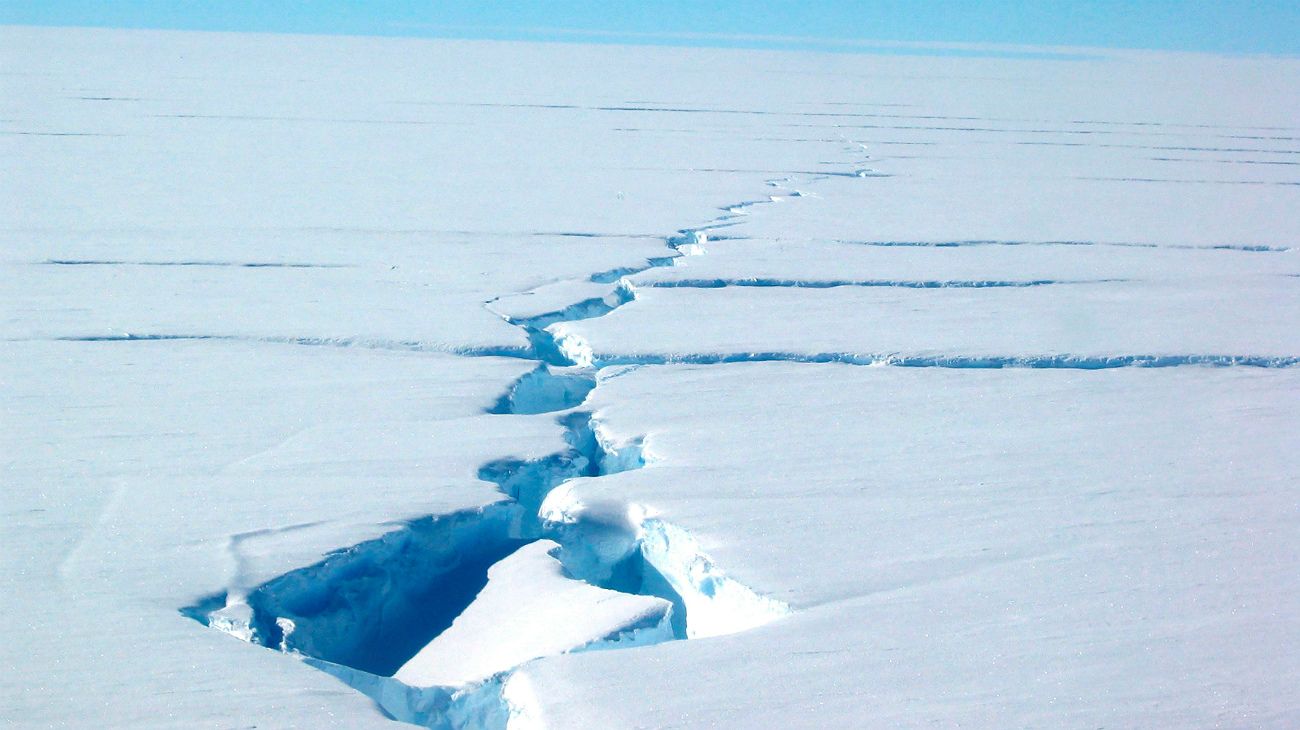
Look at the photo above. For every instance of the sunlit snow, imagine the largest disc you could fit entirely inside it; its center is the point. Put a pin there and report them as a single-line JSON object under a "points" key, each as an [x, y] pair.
{"points": [[477, 385]]}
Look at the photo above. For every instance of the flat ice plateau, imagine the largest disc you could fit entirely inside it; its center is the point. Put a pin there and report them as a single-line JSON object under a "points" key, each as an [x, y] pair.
{"points": [[473, 385]]}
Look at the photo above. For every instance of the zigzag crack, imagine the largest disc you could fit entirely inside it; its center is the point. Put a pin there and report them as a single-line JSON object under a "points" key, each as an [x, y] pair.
{"points": [[364, 613]]}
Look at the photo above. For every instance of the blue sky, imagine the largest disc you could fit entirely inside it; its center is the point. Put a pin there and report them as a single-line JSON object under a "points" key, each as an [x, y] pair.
{"points": [[1237, 26]]}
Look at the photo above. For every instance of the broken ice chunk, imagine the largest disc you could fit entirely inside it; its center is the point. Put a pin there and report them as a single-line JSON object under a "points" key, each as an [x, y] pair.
{"points": [[528, 609], [235, 619]]}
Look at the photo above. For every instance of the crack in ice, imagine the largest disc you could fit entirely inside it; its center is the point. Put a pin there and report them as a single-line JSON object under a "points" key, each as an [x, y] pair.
{"points": [[372, 614]]}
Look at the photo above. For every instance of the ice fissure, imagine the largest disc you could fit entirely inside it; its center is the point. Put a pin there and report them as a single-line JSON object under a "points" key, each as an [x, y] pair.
{"points": [[389, 616], [364, 612], [867, 283], [580, 349], [383, 615]]}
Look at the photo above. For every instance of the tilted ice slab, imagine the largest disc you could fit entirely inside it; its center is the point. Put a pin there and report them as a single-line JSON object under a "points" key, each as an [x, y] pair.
{"points": [[529, 609], [1248, 317]]}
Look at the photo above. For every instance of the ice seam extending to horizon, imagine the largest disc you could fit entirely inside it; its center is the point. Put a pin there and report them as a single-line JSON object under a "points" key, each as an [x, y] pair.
{"points": [[362, 611]]}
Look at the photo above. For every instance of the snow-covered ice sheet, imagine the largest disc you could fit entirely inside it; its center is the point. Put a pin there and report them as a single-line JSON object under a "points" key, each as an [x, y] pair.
{"points": [[1003, 548], [1252, 317], [141, 476], [757, 262], [209, 242], [297, 340], [364, 295], [996, 198]]}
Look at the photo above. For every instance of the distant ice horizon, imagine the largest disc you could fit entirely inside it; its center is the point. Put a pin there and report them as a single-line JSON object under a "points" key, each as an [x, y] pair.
{"points": [[946, 28]]}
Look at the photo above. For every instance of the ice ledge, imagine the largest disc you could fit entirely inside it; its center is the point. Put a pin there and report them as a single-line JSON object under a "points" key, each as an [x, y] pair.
{"points": [[716, 604], [708, 600], [503, 702]]}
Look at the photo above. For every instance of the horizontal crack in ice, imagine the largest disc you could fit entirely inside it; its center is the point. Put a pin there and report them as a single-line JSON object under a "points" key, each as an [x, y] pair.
{"points": [[1079, 362], [835, 283]]}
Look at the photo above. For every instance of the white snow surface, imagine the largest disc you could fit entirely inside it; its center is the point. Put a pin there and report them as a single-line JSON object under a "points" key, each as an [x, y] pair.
{"points": [[1007, 547], [382, 352]]}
